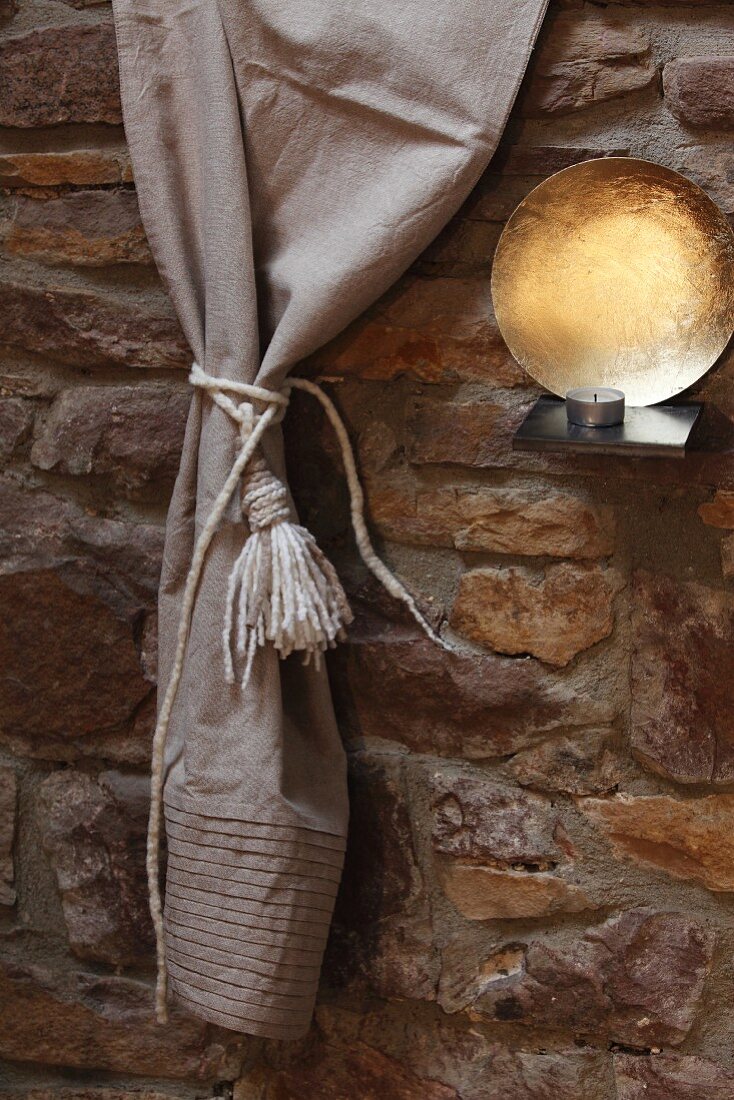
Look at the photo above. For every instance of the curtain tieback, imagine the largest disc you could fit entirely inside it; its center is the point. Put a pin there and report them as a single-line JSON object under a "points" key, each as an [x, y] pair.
{"points": [[282, 588]]}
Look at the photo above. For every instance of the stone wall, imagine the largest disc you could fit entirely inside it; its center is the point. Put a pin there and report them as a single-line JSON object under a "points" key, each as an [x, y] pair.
{"points": [[537, 902]]}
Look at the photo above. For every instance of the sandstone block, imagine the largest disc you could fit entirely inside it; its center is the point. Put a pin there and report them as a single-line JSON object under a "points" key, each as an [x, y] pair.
{"points": [[132, 433], [636, 980], [88, 329], [719, 512], [85, 228], [682, 665], [544, 160], [476, 434], [8, 799], [93, 831], [431, 330], [80, 167], [525, 1075], [486, 893], [60, 74], [588, 59], [692, 839], [462, 250], [555, 619], [74, 590], [700, 91], [479, 433], [501, 521], [87, 1022], [671, 1077], [499, 192]]}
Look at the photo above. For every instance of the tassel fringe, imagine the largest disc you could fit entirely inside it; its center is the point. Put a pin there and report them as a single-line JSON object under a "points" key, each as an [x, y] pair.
{"points": [[283, 590]]}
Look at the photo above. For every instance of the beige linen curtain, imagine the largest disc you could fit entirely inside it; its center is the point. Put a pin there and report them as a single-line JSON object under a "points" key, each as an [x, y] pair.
{"points": [[292, 157]]}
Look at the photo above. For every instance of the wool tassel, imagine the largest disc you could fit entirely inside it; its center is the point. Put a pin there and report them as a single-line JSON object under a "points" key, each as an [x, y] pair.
{"points": [[282, 588]]}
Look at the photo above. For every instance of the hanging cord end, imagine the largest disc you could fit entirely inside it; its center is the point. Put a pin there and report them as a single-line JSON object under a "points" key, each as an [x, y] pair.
{"points": [[161, 1007], [367, 551]]}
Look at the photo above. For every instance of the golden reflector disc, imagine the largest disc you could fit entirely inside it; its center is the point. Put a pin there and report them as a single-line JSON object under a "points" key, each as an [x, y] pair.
{"points": [[616, 272]]}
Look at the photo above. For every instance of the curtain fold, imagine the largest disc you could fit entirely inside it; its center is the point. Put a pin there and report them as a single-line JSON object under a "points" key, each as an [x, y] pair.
{"points": [[291, 160]]}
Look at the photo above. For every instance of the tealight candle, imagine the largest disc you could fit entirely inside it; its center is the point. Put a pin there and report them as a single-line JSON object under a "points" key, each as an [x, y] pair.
{"points": [[595, 406]]}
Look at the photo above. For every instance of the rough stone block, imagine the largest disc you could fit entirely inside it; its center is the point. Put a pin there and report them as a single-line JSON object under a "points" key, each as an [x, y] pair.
{"points": [[476, 1065], [41, 531], [569, 610], [727, 556], [719, 512], [16, 418], [478, 819], [712, 167], [382, 935], [69, 667], [60, 74], [700, 91], [682, 666], [584, 763], [671, 1077], [587, 58], [75, 589], [133, 434], [484, 893], [87, 1022], [329, 1072], [85, 228], [93, 831], [636, 980], [466, 433], [88, 329], [461, 704], [8, 799]]}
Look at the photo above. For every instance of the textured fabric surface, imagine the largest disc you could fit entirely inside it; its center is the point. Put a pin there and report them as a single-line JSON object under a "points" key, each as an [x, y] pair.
{"points": [[291, 160]]}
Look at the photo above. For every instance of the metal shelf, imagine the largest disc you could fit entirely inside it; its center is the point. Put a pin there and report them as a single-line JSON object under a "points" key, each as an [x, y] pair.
{"points": [[660, 431]]}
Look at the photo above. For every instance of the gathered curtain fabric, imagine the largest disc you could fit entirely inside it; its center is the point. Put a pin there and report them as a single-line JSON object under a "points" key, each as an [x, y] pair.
{"points": [[291, 160]]}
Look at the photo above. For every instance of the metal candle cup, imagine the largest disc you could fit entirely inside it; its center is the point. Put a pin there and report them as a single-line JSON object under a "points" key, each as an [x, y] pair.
{"points": [[595, 407]]}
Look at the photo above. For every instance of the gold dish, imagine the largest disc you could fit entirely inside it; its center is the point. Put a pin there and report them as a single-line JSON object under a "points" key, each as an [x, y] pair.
{"points": [[616, 272]]}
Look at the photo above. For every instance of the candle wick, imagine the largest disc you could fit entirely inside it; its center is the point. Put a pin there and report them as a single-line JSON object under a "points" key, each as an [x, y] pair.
{"points": [[595, 397]]}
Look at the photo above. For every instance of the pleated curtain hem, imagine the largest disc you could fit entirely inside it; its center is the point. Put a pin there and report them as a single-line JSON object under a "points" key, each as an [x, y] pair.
{"points": [[247, 916]]}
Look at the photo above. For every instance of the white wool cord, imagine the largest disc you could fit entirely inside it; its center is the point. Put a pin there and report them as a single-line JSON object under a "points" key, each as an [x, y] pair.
{"points": [[282, 587], [356, 499]]}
